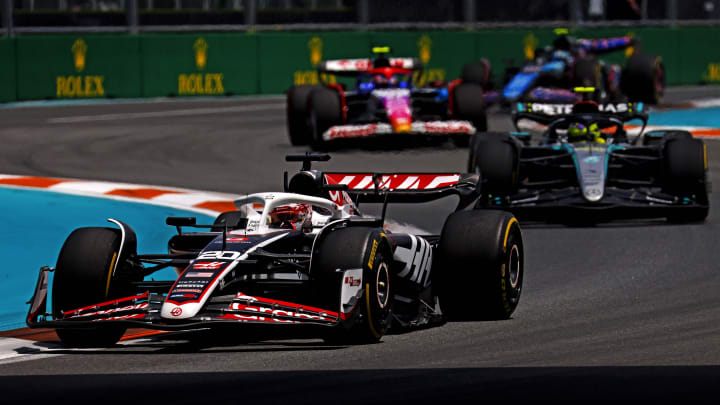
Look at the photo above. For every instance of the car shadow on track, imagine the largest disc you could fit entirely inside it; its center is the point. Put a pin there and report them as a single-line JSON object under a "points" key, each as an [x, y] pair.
{"points": [[414, 385]]}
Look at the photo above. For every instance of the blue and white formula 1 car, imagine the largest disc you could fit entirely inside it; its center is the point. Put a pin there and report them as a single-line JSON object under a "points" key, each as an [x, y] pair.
{"points": [[586, 167], [573, 62], [302, 262]]}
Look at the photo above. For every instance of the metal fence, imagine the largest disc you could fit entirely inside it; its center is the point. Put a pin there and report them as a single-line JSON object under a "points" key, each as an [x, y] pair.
{"points": [[48, 16]]}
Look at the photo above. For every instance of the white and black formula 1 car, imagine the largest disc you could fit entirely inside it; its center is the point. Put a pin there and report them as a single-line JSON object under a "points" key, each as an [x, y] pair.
{"points": [[302, 262], [587, 167]]}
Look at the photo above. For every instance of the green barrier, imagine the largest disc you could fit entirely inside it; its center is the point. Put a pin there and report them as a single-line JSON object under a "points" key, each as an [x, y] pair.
{"points": [[152, 65], [199, 64], [7, 70], [443, 53], [699, 55], [287, 59], [77, 66]]}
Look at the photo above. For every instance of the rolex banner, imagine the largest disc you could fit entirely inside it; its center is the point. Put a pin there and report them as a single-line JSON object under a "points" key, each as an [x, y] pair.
{"points": [[199, 64], [73, 66], [77, 66]]}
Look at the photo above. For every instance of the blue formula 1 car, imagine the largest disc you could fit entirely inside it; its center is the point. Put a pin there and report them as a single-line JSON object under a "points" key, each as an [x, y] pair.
{"points": [[572, 62], [586, 166], [382, 102]]}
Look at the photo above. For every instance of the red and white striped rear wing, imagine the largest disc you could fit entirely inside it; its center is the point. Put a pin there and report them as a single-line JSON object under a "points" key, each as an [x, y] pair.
{"points": [[351, 67], [407, 187]]}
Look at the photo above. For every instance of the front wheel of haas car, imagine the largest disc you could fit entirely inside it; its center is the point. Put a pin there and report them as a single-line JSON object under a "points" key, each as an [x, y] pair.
{"points": [[84, 276], [363, 295], [686, 167], [480, 269]]}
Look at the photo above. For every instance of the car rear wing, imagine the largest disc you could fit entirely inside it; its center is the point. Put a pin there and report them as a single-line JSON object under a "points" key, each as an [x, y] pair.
{"points": [[405, 187], [351, 67], [545, 113], [380, 187]]}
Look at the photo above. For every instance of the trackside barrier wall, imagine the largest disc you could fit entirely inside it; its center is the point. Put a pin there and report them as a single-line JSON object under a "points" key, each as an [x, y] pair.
{"points": [[7, 70], [72, 66], [199, 65], [203, 64]]}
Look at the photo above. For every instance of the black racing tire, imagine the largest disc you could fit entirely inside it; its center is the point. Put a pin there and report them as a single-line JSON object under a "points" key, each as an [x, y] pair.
{"points": [[480, 269], [587, 72], [643, 78], [297, 114], [686, 167], [355, 248], [468, 105], [325, 111], [477, 72], [84, 276], [672, 134], [496, 157]]}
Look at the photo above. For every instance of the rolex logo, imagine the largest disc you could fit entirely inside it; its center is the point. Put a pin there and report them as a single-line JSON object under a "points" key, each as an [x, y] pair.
{"points": [[529, 44], [200, 47], [315, 45], [424, 47], [79, 49]]}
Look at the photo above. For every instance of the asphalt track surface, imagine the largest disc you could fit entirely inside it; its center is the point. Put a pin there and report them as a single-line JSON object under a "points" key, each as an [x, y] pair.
{"points": [[620, 311]]}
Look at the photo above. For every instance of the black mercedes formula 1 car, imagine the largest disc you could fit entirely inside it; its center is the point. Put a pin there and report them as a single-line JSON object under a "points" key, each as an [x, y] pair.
{"points": [[383, 103], [303, 262], [587, 167]]}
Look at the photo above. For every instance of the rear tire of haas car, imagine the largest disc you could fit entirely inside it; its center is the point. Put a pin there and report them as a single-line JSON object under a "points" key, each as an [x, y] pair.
{"points": [[468, 105], [479, 274], [686, 166], [495, 156], [355, 248], [477, 72], [84, 276], [325, 112], [643, 78], [297, 114]]}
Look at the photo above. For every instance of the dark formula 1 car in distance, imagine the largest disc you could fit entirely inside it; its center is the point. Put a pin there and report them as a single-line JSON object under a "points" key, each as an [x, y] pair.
{"points": [[586, 167], [384, 101], [303, 262], [573, 62]]}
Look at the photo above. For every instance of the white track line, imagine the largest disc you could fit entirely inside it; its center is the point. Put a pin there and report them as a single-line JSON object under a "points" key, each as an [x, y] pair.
{"points": [[167, 113]]}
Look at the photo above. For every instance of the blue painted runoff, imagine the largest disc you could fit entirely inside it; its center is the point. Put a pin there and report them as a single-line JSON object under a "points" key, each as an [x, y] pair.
{"points": [[36, 223], [697, 117]]}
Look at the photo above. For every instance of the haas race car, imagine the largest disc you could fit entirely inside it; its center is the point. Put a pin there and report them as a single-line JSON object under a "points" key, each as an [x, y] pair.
{"points": [[384, 101], [299, 262], [571, 62], [586, 166]]}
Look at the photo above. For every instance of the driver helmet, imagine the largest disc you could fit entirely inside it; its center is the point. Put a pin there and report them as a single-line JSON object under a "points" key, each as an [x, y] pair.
{"points": [[291, 216], [579, 132], [381, 82]]}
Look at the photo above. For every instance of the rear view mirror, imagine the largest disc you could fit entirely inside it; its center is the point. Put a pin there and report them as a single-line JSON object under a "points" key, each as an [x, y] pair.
{"points": [[180, 221]]}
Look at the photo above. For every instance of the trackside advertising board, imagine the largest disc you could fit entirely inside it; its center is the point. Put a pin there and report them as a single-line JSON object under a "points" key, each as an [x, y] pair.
{"points": [[199, 65], [218, 64], [7, 70], [78, 66]]}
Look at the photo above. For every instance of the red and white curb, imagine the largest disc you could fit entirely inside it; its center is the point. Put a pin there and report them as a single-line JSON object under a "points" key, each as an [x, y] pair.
{"points": [[204, 202], [31, 344]]}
